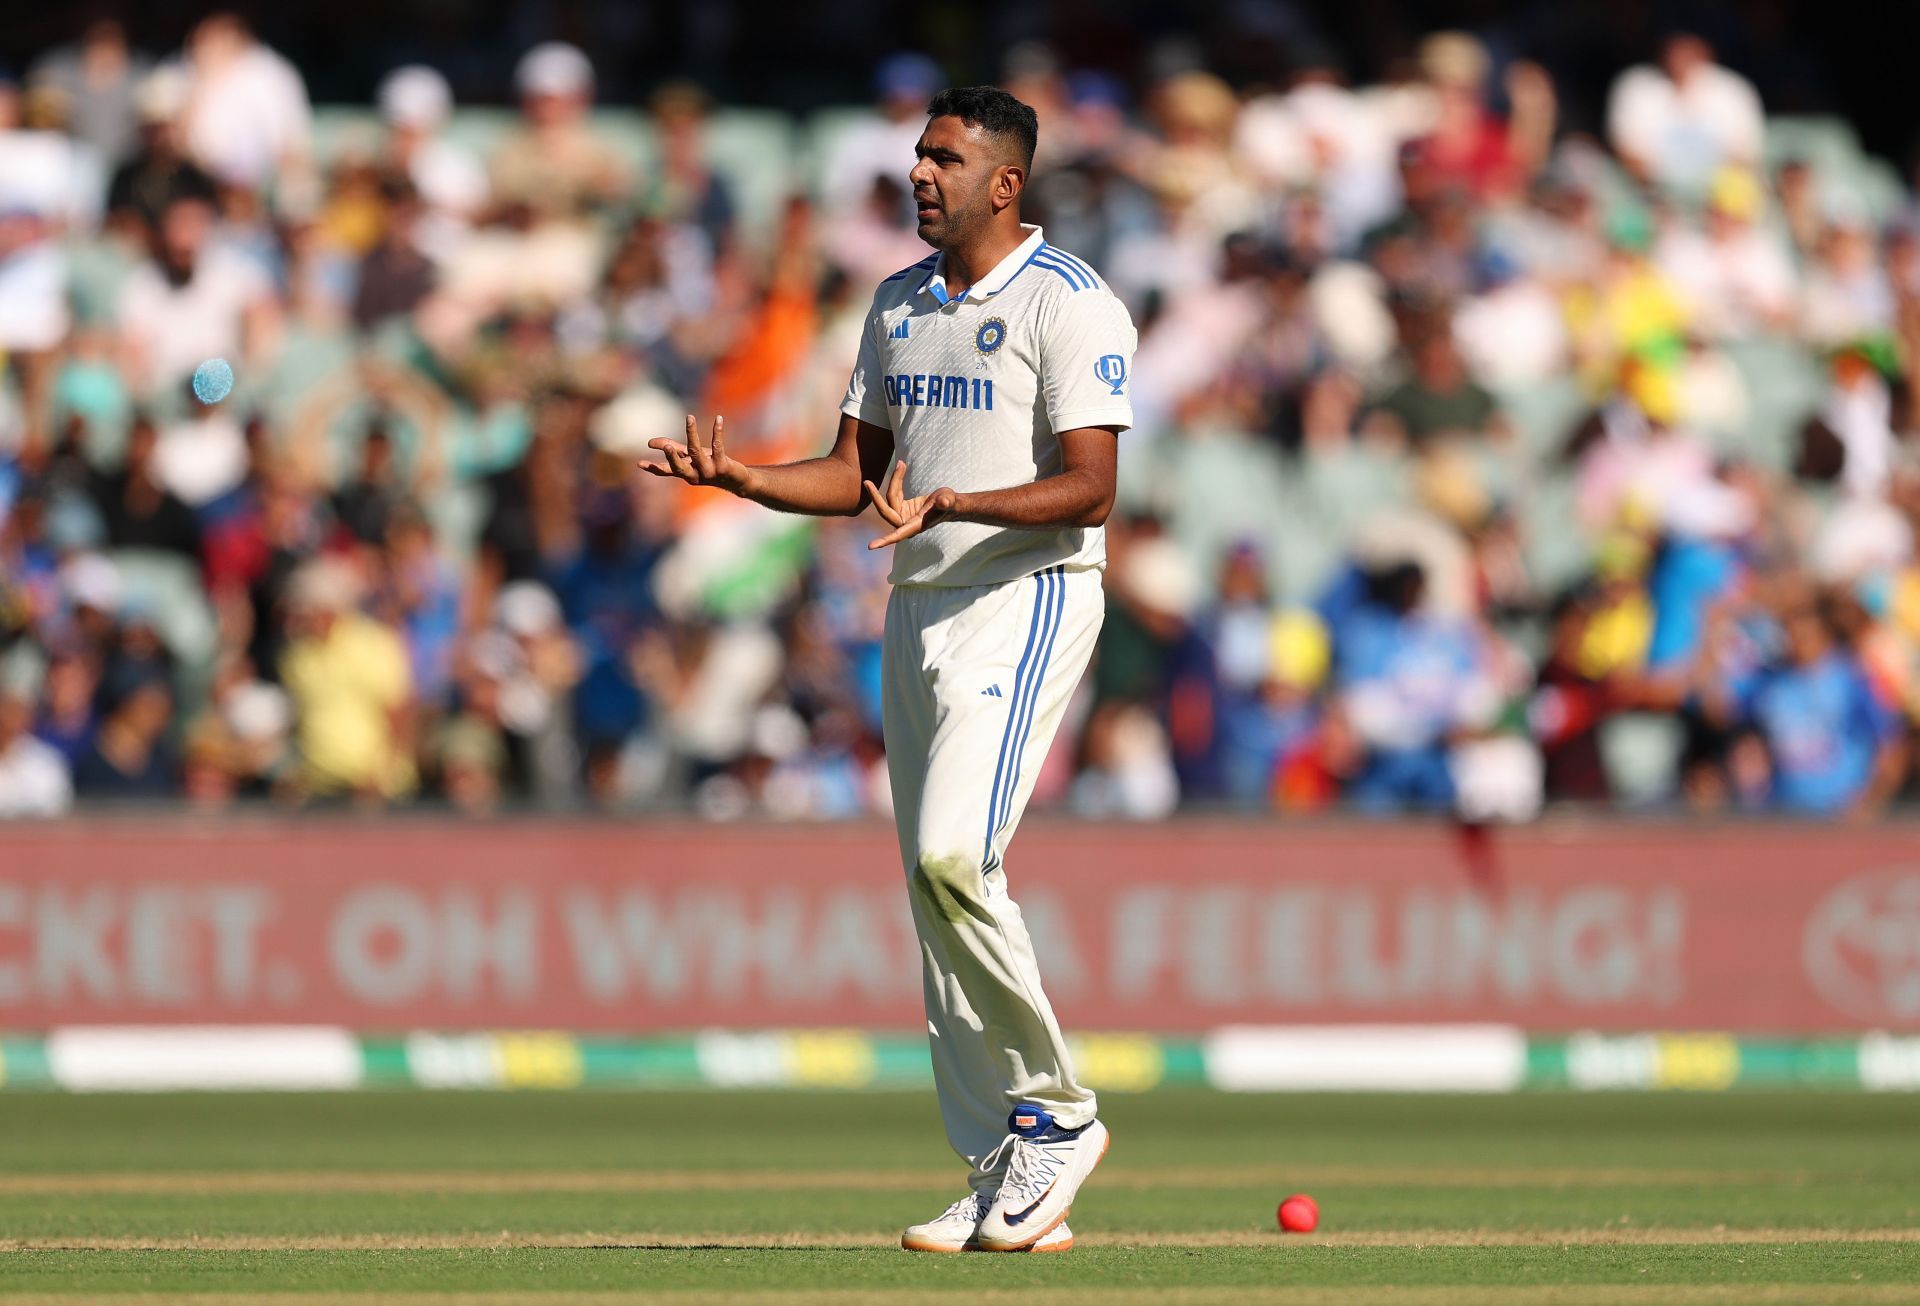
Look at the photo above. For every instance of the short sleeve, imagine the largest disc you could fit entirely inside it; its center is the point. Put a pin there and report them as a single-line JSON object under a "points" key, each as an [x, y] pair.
{"points": [[865, 400], [1879, 720], [1086, 362]]}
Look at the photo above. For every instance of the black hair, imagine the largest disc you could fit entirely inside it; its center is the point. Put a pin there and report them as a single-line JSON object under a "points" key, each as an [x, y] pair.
{"points": [[1397, 586], [993, 111]]}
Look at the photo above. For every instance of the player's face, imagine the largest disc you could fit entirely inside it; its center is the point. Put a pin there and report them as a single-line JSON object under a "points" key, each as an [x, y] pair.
{"points": [[953, 183]]}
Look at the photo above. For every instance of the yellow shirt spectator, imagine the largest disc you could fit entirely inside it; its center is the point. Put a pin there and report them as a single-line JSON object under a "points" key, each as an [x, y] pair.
{"points": [[349, 680]]}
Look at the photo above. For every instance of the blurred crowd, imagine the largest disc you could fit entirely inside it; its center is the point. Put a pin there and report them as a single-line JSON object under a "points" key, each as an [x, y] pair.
{"points": [[1481, 464]]}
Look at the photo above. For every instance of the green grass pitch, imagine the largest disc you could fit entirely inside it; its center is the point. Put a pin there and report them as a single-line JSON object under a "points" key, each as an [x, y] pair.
{"points": [[432, 1199]]}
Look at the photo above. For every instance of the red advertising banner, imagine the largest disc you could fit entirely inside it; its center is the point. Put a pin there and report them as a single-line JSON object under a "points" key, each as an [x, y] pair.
{"points": [[1170, 928]]}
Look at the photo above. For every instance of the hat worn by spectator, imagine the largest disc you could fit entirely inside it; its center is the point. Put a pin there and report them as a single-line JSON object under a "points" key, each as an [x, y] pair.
{"points": [[554, 68], [907, 75], [162, 95], [328, 585], [257, 711], [1158, 576], [526, 608], [1299, 649], [93, 582], [415, 96], [633, 418]]}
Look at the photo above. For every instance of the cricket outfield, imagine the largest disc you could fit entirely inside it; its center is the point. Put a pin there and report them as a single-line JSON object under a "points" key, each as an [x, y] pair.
{"points": [[431, 1198]]}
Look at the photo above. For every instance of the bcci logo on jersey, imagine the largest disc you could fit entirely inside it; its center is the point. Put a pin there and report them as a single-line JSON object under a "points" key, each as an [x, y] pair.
{"points": [[991, 335], [1112, 369]]}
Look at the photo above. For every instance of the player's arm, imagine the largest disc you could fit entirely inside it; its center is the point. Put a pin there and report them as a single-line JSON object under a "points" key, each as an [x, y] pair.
{"points": [[828, 486], [1079, 494]]}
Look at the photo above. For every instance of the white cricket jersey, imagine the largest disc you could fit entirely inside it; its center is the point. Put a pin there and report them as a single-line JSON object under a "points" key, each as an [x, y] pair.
{"points": [[976, 389]]}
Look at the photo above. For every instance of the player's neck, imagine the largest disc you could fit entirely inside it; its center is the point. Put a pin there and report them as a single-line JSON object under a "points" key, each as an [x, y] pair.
{"points": [[966, 264]]}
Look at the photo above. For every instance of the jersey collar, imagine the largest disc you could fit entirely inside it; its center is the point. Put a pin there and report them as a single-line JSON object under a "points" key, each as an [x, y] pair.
{"points": [[995, 281]]}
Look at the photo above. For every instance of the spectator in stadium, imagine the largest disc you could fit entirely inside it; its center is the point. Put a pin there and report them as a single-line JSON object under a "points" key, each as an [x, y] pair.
{"points": [[1569, 705], [97, 79], [397, 273], [1675, 123], [1125, 771], [686, 189], [68, 718], [1418, 259], [129, 756], [1467, 146], [33, 777], [139, 510], [1439, 399], [449, 180], [878, 144], [1852, 438], [247, 118], [1848, 296], [1834, 746], [1412, 684], [1734, 274], [1273, 733], [158, 171], [42, 182], [1511, 332], [191, 300], [351, 688], [554, 165], [418, 594]]}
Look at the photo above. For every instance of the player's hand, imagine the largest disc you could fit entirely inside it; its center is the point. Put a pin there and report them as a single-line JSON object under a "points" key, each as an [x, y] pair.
{"points": [[908, 516], [700, 462]]}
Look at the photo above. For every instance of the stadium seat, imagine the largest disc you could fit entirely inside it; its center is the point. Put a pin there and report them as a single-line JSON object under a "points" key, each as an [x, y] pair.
{"points": [[1543, 415], [1558, 553], [1784, 382], [822, 133], [756, 151]]}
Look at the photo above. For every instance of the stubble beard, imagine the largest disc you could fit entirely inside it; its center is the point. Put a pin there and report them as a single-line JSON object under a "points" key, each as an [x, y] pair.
{"points": [[952, 228]]}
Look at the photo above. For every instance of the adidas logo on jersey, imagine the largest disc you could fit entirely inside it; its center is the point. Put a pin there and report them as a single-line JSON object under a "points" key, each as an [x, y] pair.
{"points": [[899, 332], [992, 691]]}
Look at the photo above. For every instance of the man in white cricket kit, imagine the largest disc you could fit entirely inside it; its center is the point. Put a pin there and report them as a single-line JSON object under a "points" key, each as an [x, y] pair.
{"points": [[997, 371]]}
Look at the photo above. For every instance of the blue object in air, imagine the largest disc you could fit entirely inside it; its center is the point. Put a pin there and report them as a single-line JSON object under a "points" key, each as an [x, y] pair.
{"points": [[212, 381]]}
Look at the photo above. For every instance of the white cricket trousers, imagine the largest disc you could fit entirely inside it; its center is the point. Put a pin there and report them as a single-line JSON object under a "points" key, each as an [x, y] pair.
{"points": [[976, 681]]}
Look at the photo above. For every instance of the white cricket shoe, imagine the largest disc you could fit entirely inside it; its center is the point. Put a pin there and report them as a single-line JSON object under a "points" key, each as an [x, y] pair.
{"points": [[1045, 1168], [954, 1229]]}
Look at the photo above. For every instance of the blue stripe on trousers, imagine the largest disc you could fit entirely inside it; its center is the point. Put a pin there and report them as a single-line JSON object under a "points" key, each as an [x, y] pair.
{"points": [[1013, 712], [1051, 600], [1033, 699]]}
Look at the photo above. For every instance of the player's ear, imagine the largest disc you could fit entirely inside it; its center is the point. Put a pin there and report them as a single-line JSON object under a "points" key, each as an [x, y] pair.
{"points": [[1011, 180]]}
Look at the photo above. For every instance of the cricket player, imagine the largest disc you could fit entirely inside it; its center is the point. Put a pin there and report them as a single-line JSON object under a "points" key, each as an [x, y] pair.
{"points": [[992, 381]]}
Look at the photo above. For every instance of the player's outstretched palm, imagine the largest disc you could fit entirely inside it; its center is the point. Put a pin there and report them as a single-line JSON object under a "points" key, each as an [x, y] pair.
{"points": [[908, 516], [700, 463]]}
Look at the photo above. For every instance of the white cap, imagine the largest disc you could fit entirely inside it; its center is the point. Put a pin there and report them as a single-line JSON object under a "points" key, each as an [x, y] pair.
{"points": [[257, 711], [777, 732], [92, 581], [1709, 510], [1159, 576], [415, 96], [526, 608], [554, 68], [634, 417], [161, 95], [324, 585]]}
